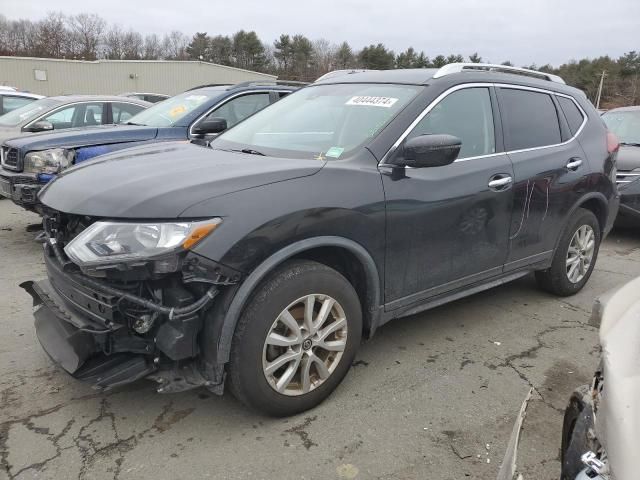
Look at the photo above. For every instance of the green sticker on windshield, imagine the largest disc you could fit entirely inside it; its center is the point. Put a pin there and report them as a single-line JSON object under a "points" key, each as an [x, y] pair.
{"points": [[334, 152]]}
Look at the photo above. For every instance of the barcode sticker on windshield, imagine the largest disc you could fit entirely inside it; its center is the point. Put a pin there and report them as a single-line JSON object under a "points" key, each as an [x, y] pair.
{"points": [[368, 101]]}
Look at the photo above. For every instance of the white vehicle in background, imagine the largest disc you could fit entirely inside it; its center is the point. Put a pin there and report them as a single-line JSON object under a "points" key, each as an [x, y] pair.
{"points": [[11, 99], [601, 423]]}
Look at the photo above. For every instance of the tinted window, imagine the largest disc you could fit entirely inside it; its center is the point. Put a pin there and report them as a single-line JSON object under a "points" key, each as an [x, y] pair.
{"points": [[122, 112], [572, 113], [11, 103], [530, 119], [236, 110], [466, 114]]}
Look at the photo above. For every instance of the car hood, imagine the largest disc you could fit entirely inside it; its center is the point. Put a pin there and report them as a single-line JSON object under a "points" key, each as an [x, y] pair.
{"points": [[8, 132], [164, 179], [82, 137], [628, 158]]}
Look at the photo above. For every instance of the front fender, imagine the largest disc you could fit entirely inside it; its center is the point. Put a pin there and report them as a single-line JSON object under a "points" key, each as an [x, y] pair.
{"points": [[243, 292]]}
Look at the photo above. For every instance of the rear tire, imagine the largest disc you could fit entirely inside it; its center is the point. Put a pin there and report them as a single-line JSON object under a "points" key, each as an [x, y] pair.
{"points": [[575, 256], [284, 358]]}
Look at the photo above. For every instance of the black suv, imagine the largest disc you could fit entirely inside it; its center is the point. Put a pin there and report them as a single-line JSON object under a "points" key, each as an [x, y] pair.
{"points": [[364, 197], [198, 115]]}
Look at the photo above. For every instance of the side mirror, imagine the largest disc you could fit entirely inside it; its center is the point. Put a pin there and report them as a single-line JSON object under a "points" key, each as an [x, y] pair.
{"points": [[210, 125], [41, 126], [434, 150]]}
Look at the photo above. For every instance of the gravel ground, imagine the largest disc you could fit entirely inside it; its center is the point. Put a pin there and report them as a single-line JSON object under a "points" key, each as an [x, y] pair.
{"points": [[431, 396]]}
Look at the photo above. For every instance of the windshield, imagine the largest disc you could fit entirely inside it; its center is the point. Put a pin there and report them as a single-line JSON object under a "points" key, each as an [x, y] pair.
{"points": [[324, 121], [625, 125], [28, 112], [168, 113]]}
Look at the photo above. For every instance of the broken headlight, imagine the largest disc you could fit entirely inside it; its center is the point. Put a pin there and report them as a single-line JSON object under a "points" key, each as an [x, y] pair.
{"points": [[115, 242], [50, 161]]}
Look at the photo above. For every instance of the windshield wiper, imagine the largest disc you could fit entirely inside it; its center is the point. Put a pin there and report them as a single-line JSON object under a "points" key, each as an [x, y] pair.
{"points": [[249, 151], [136, 124]]}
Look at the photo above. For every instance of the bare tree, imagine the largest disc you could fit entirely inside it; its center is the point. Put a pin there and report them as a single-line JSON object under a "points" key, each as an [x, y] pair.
{"points": [[152, 49], [113, 43], [133, 45], [88, 30], [52, 36], [175, 45], [324, 56]]}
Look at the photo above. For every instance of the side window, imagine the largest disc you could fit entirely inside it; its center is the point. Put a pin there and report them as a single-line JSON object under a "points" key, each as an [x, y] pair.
{"points": [[78, 115], [572, 113], [529, 118], [466, 114], [63, 118], [236, 110], [92, 115], [11, 103], [122, 112]]}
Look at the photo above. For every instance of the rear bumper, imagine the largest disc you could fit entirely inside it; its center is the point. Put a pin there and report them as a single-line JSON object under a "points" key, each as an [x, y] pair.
{"points": [[22, 188]]}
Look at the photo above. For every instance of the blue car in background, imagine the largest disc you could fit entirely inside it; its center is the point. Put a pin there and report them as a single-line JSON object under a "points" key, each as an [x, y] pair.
{"points": [[198, 115]]}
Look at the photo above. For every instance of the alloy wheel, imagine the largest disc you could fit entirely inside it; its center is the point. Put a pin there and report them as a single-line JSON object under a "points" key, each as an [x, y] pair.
{"points": [[580, 253], [304, 344]]}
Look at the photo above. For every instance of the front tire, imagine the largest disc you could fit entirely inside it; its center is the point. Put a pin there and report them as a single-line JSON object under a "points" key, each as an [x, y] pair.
{"points": [[295, 340], [574, 258]]}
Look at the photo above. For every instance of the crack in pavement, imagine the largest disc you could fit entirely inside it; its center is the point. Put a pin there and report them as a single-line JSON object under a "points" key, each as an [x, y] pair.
{"points": [[90, 450], [532, 352]]}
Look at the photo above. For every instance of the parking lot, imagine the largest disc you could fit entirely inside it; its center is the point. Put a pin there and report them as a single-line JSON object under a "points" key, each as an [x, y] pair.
{"points": [[431, 396]]}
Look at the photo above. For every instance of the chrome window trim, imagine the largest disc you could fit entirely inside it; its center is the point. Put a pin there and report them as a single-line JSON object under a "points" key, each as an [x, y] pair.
{"points": [[455, 88], [228, 99]]}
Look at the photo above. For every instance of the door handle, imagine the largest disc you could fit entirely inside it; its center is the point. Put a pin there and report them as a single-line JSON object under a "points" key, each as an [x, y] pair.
{"points": [[573, 164], [500, 183]]}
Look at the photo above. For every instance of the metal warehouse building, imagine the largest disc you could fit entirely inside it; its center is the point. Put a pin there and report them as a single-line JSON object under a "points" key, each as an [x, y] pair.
{"points": [[48, 76]]}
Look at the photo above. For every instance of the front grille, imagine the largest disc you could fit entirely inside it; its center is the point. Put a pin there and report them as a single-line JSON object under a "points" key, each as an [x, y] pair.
{"points": [[10, 158], [627, 176]]}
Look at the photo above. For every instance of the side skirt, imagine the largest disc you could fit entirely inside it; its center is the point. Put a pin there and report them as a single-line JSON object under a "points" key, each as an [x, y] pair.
{"points": [[450, 297]]}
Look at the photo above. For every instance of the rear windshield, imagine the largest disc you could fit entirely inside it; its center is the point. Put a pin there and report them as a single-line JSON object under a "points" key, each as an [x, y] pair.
{"points": [[22, 115], [322, 121], [625, 125], [170, 112]]}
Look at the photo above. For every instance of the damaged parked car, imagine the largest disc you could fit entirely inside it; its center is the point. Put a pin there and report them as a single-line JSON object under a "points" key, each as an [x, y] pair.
{"points": [[22, 173], [601, 422], [198, 115], [262, 263]]}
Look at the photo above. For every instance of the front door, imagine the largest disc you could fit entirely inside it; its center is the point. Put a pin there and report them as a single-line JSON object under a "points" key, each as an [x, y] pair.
{"points": [[448, 226]]}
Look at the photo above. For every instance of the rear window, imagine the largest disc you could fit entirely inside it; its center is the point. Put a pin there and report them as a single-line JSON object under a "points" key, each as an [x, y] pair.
{"points": [[572, 113], [530, 119]]}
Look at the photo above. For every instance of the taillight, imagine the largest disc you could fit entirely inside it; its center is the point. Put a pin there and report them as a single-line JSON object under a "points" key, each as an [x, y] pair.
{"points": [[612, 142]]}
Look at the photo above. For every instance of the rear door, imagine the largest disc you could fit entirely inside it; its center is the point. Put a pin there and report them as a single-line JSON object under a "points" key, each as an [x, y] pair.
{"points": [[549, 167]]}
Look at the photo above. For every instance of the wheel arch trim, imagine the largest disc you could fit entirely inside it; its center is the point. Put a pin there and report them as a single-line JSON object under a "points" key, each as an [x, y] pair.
{"points": [[580, 204], [372, 301]]}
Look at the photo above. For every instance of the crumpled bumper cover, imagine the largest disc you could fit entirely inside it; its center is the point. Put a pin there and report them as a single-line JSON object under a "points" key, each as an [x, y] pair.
{"points": [[66, 337]]}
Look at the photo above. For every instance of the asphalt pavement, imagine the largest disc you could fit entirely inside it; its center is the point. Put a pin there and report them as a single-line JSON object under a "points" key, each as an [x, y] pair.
{"points": [[433, 396]]}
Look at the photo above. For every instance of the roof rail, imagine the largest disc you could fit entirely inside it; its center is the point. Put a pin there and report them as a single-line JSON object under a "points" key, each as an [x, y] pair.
{"points": [[489, 67], [334, 73], [208, 85], [270, 82]]}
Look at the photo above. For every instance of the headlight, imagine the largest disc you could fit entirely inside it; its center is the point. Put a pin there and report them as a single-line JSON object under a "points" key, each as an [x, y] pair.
{"points": [[48, 161], [113, 242]]}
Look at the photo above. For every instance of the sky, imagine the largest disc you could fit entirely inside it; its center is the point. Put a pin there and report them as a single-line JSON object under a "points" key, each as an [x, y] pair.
{"points": [[524, 32]]}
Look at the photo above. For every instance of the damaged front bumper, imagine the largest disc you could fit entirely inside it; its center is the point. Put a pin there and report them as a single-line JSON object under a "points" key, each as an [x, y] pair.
{"points": [[104, 334], [22, 188]]}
